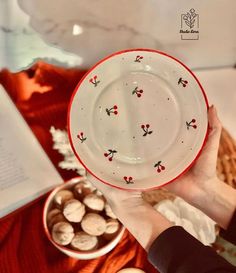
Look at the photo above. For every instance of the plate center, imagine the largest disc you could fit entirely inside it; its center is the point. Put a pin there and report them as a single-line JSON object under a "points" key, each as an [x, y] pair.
{"points": [[121, 122]]}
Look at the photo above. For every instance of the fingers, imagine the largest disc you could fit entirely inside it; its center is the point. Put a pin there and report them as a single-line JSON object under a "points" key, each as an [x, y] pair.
{"points": [[215, 127], [97, 184]]}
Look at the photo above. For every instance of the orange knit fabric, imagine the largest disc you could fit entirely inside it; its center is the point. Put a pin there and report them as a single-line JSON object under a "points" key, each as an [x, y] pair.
{"points": [[42, 94]]}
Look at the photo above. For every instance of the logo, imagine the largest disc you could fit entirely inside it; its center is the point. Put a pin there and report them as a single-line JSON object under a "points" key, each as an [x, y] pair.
{"points": [[189, 26]]}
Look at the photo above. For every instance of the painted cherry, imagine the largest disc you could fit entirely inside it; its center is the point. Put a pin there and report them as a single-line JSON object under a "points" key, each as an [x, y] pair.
{"points": [[138, 58], [128, 180], [145, 128], [110, 154], [183, 82], [81, 137], [112, 110], [137, 91], [94, 81], [159, 166], [191, 124]]}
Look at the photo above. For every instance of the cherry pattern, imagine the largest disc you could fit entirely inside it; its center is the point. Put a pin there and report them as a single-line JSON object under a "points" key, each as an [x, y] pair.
{"points": [[110, 154], [146, 130], [138, 59], [81, 137], [191, 124], [94, 80], [128, 180], [138, 92], [183, 82], [159, 167], [112, 110]]}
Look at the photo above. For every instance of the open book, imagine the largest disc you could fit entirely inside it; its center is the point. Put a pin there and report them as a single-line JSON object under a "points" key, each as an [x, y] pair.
{"points": [[25, 170]]}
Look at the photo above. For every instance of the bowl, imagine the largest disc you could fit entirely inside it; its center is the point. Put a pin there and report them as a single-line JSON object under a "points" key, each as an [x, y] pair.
{"points": [[83, 255]]}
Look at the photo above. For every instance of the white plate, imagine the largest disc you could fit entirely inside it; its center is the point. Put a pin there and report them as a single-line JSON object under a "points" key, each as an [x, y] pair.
{"points": [[138, 119]]}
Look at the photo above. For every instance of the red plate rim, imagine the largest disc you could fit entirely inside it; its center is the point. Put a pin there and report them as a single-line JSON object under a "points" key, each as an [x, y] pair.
{"points": [[89, 71]]}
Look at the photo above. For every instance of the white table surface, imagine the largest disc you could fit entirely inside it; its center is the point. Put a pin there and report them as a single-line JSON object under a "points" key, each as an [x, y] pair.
{"points": [[220, 88]]}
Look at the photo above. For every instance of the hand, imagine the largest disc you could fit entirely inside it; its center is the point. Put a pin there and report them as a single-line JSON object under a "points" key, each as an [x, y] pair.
{"points": [[200, 179], [200, 186], [140, 218]]}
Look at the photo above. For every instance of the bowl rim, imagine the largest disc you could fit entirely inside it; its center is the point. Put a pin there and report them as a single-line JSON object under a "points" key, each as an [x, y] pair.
{"points": [[45, 226], [89, 71]]}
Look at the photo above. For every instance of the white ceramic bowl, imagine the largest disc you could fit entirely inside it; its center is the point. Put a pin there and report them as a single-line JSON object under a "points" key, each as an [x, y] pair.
{"points": [[73, 253]]}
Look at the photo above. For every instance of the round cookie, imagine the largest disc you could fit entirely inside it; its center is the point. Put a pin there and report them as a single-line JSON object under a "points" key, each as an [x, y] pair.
{"points": [[94, 202], [57, 218], [112, 227], [62, 233], [62, 196], [84, 242], [93, 224], [130, 270], [74, 210], [52, 213]]}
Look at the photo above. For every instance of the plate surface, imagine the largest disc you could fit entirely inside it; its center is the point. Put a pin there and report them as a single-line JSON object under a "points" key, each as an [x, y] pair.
{"points": [[138, 119]]}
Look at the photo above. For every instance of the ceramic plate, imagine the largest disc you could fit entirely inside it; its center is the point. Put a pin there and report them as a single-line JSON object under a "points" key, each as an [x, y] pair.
{"points": [[138, 119]]}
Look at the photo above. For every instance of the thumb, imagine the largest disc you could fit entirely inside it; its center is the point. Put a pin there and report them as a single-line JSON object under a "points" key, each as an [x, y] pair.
{"points": [[214, 131]]}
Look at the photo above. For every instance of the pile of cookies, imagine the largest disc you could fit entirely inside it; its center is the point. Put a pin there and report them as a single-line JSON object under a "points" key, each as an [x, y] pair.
{"points": [[81, 219]]}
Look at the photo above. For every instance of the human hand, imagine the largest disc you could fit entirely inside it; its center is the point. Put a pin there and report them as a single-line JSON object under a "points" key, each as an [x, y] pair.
{"points": [[140, 218], [201, 178], [201, 187]]}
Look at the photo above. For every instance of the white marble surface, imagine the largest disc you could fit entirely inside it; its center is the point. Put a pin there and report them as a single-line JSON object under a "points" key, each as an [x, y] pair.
{"points": [[91, 29], [220, 87], [20, 45]]}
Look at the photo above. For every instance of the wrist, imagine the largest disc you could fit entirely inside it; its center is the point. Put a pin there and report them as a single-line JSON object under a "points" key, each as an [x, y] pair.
{"points": [[218, 201], [143, 222]]}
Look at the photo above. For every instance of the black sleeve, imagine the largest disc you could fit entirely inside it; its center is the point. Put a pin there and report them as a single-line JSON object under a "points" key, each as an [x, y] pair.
{"points": [[176, 251], [230, 233]]}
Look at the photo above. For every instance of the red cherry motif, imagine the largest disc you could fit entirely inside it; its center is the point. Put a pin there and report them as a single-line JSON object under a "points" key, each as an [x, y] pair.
{"points": [[128, 180], [110, 111], [191, 124], [110, 154], [141, 91], [138, 58], [183, 82], [146, 130], [91, 80], [95, 77], [138, 95], [81, 137], [159, 167]]}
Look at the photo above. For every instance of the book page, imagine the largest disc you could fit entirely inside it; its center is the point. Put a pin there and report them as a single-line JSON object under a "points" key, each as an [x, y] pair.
{"points": [[25, 170]]}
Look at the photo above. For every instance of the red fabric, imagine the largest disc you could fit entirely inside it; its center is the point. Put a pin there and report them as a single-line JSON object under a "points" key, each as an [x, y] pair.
{"points": [[42, 94]]}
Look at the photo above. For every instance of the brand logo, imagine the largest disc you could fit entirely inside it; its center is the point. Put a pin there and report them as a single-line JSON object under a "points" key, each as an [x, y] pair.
{"points": [[189, 25]]}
